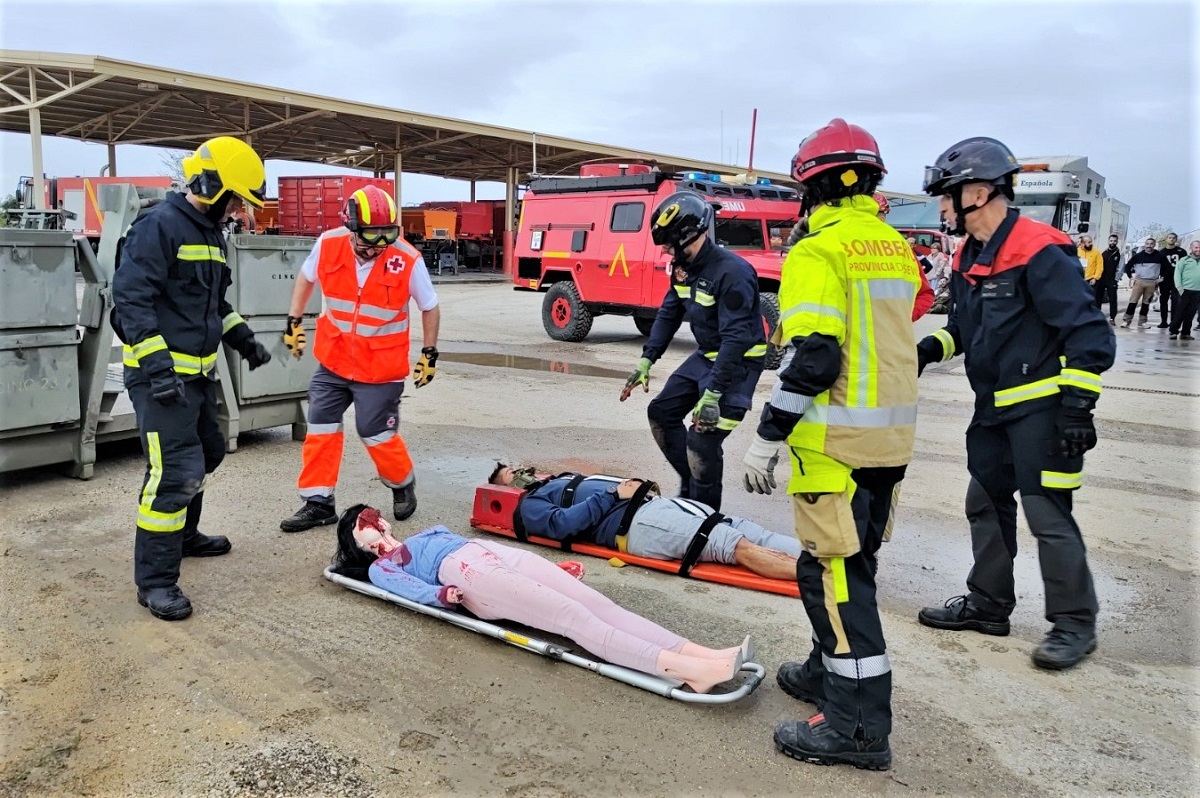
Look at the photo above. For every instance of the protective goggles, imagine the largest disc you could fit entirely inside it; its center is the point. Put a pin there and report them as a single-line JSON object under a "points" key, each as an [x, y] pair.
{"points": [[933, 176], [379, 236]]}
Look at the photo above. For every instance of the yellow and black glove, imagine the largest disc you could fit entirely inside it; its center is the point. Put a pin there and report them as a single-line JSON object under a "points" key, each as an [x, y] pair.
{"points": [[426, 367], [293, 337]]}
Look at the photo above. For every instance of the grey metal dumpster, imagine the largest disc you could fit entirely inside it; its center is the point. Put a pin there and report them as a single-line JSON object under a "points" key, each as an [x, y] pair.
{"points": [[39, 374], [60, 375]]}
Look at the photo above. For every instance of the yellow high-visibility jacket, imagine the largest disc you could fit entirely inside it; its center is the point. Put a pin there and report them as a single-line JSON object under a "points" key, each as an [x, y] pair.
{"points": [[853, 279]]}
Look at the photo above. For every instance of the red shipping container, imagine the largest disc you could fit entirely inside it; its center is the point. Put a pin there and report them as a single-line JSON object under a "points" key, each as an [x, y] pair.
{"points": [[309, 206], [474, 218]]}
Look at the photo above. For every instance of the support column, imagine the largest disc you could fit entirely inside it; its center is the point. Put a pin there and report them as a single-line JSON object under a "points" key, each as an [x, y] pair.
{"points": [[510, 210], [397, 195], [472, 191], [112, 159], [35, 144]]}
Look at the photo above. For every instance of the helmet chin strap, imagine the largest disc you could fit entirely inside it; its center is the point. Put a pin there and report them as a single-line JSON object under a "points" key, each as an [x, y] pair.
{"points": [[960, 212], [680, 260], [217, 211]]}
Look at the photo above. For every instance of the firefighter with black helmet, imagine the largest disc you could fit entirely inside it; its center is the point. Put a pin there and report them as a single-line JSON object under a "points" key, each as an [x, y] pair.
{"points": [[170, 311], [717, 292], [1035, 345], [845, 405]]}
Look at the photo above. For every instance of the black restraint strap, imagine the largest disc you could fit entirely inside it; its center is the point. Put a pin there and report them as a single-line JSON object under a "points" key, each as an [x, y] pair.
{"points": [[635, 504], [699, 541], [568, 494], [518, 524]]}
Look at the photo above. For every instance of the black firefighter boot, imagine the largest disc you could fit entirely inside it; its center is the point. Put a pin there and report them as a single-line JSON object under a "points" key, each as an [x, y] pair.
{"points": [[195, 542], [156, 557], [814, 740], [404, 499]]}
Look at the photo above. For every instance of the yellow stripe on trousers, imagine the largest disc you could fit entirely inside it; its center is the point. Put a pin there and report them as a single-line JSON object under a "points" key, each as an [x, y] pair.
{"points": [[833, 578]]}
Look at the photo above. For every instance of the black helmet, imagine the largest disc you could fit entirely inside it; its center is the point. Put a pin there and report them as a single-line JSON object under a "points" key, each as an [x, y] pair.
{"points": [[680, 219], [974, 160]]}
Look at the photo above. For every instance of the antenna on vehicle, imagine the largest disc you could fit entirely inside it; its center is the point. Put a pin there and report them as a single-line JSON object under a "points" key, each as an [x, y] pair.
{"points": [[753, 128]]}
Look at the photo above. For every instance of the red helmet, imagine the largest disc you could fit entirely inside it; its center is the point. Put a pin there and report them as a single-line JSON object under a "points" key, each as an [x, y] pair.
{"points": [[370, 206], [885, 207], [836, 144]]}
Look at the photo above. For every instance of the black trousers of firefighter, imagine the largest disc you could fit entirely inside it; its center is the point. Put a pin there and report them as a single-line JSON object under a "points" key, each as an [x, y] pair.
{"points": [[698, 457], [849, 663], [183, 443], [1023, 455]]}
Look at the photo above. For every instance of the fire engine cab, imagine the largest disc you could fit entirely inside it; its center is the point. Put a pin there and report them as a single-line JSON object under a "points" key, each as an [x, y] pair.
{"points": [[585, 241]]}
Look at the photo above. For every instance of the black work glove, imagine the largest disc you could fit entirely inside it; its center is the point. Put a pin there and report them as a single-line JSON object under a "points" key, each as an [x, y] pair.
{"points": [[255, 353], [923, 359], [166, 387], [1076, 431]]}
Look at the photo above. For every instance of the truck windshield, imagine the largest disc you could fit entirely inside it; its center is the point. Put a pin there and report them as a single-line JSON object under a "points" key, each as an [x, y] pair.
{"points": [[1040, 213], [740, 233], [779, 231]]}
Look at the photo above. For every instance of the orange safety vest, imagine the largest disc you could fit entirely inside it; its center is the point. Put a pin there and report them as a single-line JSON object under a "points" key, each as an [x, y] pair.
{"points": [[363, 333]]}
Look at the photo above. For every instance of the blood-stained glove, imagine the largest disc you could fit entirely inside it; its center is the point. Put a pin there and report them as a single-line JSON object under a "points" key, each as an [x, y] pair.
{"points": [[1076, 431], [254, 353], [166, 387], [294, 338], [707, 412], [426, 367], [758, 474], [640, 376]]}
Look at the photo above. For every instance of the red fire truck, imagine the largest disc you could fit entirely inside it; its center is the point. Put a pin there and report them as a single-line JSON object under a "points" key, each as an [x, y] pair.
{"points": [[585, 242]]}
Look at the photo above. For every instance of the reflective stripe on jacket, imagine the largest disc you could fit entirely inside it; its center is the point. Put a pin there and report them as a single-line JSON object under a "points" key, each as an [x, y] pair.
{"points": [[854, 279], [719, 298], [169, 291], [1026, 320], [362, 334]]}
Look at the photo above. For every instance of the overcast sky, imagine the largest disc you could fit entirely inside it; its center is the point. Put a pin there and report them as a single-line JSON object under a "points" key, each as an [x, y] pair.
{"points": [[1117, 82]]}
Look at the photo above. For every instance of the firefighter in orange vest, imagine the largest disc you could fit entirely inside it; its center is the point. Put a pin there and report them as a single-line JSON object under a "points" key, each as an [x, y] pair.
{"points": [[368, 274]]}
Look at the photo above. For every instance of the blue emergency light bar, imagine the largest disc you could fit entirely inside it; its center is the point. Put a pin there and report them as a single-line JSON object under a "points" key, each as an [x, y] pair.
{"points": [[706, 176]]}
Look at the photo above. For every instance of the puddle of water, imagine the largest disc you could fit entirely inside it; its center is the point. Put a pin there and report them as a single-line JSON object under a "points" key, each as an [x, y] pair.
{"points": [[531, 364]]}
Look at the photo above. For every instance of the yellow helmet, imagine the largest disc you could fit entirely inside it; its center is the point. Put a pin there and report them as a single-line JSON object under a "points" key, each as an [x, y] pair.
{"points": [[225, 164]]}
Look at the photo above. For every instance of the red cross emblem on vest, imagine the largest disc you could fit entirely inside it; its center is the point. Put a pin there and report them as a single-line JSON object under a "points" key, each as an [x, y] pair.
{"points": [[395, 264]]}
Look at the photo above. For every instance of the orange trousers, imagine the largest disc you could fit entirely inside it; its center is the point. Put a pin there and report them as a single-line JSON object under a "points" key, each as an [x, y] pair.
{"points": [[377, 420]]}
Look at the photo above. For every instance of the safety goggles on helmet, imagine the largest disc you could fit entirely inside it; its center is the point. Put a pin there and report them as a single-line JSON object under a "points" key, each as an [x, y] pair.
{"points": [[935, 176], [379, 236]]}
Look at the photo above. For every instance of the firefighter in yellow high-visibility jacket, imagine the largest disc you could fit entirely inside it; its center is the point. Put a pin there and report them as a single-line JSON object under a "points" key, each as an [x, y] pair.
{"points": [[845, 401]]}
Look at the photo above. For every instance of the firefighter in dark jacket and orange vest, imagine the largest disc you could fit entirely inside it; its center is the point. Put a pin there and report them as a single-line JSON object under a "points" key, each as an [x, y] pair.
{"points": [[171, 313], [368, 274], [1035, 344], [717, 292]]}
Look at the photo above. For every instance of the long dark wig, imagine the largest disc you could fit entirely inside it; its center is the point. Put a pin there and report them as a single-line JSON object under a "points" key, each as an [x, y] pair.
{"points": [[349, 560]]}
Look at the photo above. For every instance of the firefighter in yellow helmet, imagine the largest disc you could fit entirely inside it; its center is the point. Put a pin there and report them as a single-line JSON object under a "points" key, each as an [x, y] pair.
{"points": [[171, 313], [845, 402]]}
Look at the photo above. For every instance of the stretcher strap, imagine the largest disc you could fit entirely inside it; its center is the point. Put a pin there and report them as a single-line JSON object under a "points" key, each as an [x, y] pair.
{"points": [[518, 524], [568, 494], [699, 541], [635, 504]]}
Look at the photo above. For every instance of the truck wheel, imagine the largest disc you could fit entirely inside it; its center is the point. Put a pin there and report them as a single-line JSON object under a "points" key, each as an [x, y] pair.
{"points": [[564, 315], [769, 302], [644, 325]]}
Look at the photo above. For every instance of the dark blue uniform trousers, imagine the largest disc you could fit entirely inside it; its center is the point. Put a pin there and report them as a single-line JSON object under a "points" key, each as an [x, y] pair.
{"points": [[698, 456], [183, 443]]}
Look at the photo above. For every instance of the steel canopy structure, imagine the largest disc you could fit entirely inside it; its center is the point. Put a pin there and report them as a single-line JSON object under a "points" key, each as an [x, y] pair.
{"points": [[103, 100]]}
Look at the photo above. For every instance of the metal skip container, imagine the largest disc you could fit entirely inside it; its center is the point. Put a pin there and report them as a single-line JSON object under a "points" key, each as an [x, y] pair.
{"points": [[264, 270], [39, 372], [61, 393]]}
